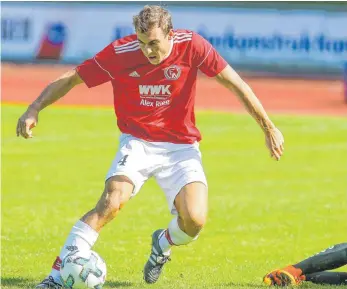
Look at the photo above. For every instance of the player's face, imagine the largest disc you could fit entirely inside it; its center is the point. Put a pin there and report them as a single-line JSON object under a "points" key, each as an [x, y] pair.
{"points": [[154, 44]]}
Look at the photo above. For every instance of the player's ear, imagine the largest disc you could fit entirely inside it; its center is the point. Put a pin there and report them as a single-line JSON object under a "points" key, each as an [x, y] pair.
{"points": [[171, 34]]}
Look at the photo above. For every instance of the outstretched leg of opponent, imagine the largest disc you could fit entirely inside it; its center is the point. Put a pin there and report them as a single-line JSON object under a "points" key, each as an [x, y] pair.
{"points": [[312, 269]]}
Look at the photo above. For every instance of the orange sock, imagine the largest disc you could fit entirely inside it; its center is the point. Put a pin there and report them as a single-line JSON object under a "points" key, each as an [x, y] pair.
{"points": [[296, 272]]}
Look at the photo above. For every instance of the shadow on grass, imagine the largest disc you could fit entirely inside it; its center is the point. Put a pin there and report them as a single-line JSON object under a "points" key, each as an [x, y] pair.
{"points": [[242, 285], [18, 282], [305, 285], [118, 284]]}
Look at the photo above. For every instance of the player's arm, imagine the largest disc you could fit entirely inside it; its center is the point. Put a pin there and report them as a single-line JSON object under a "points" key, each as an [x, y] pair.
{"points": [[94, 71], [274, 138], [210, 62], [53, 92], [231, 80], [56, 90]]}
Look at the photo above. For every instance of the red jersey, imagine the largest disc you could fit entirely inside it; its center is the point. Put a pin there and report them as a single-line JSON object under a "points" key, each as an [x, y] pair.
{"points": [[154, 102]]}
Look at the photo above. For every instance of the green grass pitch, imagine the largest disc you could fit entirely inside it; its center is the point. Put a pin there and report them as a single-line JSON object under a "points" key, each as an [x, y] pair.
{"points": [[263, 214]]}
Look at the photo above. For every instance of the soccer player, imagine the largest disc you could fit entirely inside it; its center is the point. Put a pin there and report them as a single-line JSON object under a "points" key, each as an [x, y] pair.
{"points": [[313, 269], [153, 73]]}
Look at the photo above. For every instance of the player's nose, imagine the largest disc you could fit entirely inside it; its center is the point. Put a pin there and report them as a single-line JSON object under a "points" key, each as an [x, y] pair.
{"points": [[148, 50]]}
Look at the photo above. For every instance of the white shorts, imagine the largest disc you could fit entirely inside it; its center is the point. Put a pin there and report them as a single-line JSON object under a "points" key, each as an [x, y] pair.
{"points": [[172, 165]]}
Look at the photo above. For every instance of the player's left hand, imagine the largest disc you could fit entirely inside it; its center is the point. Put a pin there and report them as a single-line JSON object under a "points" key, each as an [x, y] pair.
{"points": [[275, 143]]}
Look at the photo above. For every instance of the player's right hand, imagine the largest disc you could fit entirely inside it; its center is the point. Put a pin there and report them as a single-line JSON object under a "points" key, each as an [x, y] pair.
{"points": [[26, 122]]}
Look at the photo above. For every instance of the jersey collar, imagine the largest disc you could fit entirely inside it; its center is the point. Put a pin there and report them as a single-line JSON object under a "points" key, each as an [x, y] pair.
{"points": [[171, 46]]}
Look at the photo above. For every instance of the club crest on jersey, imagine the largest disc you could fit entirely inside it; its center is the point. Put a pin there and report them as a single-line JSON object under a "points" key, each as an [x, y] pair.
{"points": [[172, 72]]}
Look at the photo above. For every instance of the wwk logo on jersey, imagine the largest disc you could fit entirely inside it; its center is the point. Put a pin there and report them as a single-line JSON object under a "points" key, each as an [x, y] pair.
{"points": [[154, 95], [154, 91], [172, 72]]}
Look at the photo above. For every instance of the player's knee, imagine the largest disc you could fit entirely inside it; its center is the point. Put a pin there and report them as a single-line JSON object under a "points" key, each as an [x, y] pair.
{"points": [[195, 220], [191, 204]]}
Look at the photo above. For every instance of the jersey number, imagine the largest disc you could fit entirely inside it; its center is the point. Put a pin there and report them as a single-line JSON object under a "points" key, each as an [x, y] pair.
{"points": [[123, 160]]}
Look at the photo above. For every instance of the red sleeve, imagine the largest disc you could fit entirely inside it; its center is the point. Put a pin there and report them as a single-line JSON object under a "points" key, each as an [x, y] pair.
{"points": [[205, 56], [98, 69]]}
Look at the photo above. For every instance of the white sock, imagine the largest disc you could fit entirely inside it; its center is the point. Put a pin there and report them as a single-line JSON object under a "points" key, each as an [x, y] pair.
{"points": [[174, 236], [164, 243], [81, 237]]}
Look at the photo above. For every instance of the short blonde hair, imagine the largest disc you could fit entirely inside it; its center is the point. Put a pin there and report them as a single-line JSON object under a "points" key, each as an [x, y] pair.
{"points": [[153, 16]]}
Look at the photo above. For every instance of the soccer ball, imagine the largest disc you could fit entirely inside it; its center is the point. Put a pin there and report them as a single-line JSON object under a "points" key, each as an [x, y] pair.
{"points": [[83, 269]]}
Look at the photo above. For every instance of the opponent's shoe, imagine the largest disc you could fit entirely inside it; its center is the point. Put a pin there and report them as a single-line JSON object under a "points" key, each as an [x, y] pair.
{"points": [[51, 283], [156, 261], [288, 276]]}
